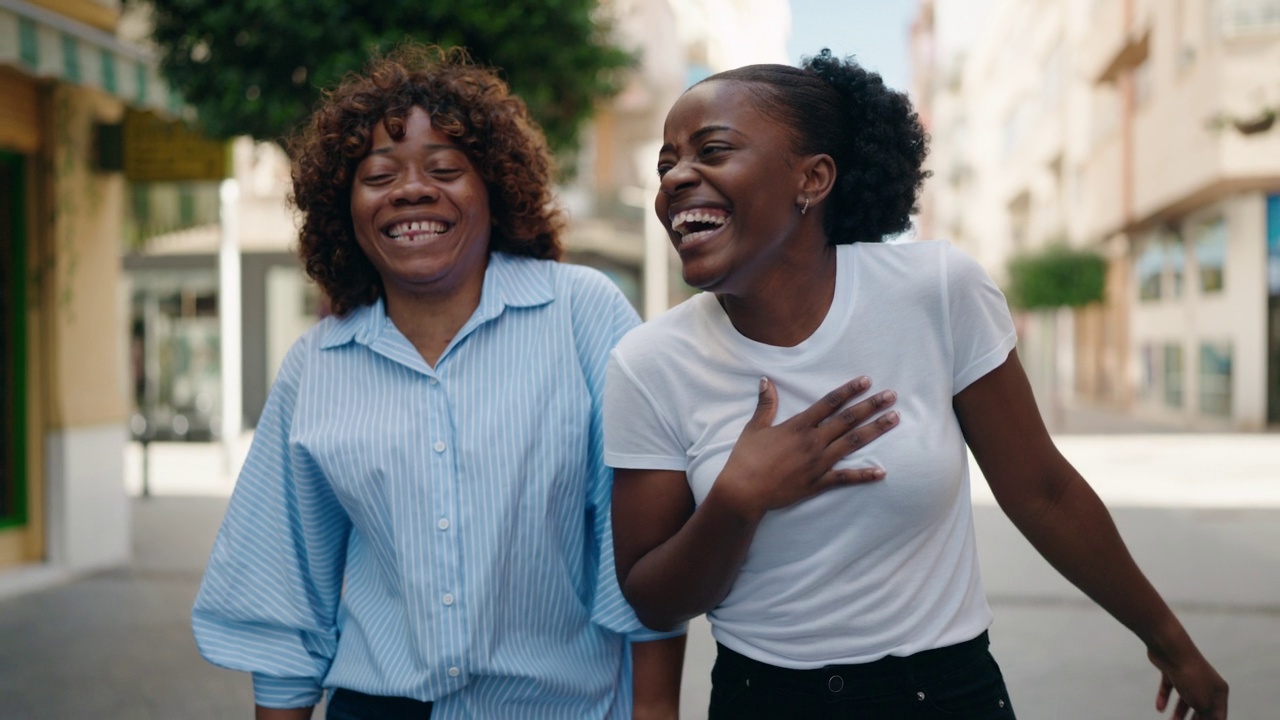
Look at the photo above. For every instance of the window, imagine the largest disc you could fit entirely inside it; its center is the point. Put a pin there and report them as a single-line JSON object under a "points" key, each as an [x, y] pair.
{"points": [[1177, 257], [1215, 379], [1150, 268], [1142, 83], [1105, 113], [1150, 387], [1187, 34], [1273, 245], [1015, 125], [1173, 375], [1211, 255], [1052, 74], [186, 205], [1246, 17]]}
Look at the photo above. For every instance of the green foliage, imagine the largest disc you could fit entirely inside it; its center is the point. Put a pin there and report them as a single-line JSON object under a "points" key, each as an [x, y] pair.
{"points": [[1057, 276], [254, 67]]}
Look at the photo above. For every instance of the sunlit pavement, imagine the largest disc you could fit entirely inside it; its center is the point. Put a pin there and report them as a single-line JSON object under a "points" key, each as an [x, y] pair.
{"points": [[1201, 513]]}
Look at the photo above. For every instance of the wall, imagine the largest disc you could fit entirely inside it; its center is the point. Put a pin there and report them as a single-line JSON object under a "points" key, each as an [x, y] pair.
{"points": [[82, 339]]}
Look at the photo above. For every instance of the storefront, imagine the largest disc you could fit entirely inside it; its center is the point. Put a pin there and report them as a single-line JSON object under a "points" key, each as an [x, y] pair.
{"points": [[66, 81]]}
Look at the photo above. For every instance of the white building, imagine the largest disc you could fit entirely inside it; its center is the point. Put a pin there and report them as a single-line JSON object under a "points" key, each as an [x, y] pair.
{"points": [[1140, 128]]}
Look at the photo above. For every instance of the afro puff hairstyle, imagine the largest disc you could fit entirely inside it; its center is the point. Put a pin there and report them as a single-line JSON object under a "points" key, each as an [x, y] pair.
{"points": [[839, 108]]}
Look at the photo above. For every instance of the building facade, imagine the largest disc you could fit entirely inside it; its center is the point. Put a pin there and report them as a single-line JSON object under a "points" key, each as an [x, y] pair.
{"points": [[1141, 129], [66, 80]]}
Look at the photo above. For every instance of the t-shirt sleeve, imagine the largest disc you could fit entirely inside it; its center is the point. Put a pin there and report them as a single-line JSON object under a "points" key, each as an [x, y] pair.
{"points": [[637, 433], [982, 331]]}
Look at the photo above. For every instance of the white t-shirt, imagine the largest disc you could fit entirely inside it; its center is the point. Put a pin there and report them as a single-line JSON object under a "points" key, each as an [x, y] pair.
{"points": [[857, 573]]}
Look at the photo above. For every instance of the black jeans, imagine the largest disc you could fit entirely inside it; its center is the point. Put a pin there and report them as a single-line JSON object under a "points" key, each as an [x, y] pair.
{"points": [[960, 681], [351, 705]]}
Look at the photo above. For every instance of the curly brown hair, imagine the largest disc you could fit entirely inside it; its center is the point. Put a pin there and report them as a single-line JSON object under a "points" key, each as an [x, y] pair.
{"points": [[467, 102]]}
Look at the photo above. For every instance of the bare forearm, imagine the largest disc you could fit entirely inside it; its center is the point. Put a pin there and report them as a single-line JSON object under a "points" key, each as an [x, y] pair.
{"points": [[265, 713], [657, 666], [1074, 532], [693, 571]]}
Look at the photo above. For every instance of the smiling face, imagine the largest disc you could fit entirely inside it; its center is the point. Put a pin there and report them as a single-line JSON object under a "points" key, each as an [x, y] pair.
{"points": [[729, 189], [420, 210]]}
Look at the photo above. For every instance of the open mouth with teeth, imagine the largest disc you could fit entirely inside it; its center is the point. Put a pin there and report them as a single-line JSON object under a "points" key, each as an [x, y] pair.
{"points": [[416, 230], [698, 223]]}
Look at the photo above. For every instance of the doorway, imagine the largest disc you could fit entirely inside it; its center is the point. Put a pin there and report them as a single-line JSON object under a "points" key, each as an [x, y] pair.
{"points": [[13, 350]]}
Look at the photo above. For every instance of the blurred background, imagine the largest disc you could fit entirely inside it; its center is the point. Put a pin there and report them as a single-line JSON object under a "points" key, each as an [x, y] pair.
{"points": [[1114, 164]]}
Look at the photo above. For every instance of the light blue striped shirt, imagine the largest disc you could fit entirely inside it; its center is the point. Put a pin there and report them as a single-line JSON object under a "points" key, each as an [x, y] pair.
{"points": [[435, 533]]}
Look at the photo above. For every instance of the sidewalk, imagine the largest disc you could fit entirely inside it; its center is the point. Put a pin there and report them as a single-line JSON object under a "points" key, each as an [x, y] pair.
{"points": [[1200, 513], [117, 645]]}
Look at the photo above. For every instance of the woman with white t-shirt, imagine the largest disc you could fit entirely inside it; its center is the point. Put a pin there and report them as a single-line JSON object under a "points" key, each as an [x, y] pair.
{"points": [[837, 566]]}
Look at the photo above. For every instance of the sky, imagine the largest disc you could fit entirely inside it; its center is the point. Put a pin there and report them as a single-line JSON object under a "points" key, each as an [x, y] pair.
{"points": [[876, 32]]}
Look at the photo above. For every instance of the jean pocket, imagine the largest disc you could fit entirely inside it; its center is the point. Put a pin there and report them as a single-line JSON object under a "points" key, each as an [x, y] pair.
{"points": [[729, 689], [975, 691]]}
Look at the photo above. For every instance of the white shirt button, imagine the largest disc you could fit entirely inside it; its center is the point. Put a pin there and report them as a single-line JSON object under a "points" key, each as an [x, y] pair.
{"points": [[433, 381], [454, 672], [439, 446], [443, 523], [447, 599]]}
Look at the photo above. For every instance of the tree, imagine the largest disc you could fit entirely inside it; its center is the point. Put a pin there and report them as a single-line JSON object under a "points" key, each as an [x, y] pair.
{"points": [[254, 67], [1058, 276]]}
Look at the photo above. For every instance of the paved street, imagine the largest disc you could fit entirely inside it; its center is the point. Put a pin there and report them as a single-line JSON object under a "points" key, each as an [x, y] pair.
{"points": [[1201, 514]]}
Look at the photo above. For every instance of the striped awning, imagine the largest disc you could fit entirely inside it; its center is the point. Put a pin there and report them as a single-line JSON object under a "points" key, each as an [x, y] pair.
{"points": [[48, 45]]}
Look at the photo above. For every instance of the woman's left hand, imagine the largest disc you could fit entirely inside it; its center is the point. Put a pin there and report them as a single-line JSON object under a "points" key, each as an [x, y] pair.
{"points": [[1201, 690]]}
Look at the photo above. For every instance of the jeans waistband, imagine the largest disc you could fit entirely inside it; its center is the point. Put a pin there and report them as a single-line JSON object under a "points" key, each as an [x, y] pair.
{"points": [[347, 704], [888, 670]]}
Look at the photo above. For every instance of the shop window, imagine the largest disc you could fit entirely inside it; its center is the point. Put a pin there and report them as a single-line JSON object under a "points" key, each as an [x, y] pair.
{"points": [[1215, 379], [176, 356], [1211, 255], [1173, 375]]}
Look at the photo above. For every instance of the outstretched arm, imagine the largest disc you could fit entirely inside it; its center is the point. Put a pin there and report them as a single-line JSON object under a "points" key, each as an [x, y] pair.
{"points": [[1057, 511], [676, 562]]}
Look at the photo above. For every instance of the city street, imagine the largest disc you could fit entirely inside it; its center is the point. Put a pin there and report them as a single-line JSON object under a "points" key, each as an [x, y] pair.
{"points": [[1201, 514]]}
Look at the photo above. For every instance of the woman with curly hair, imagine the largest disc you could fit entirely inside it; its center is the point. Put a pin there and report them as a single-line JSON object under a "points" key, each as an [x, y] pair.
{"points": [[422, 523], [839, 574]]}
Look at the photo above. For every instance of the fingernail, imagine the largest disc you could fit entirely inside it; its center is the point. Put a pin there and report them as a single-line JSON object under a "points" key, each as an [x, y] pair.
{"points": [[862, 383], [764, 383], [891, 417], [878, 473], [888, 396]]}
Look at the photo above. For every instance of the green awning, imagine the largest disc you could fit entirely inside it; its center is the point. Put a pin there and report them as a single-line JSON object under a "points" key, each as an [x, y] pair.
{"points": [[48, 45]]}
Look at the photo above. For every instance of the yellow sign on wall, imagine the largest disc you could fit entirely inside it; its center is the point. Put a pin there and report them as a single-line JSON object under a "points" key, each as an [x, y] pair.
{"points": [[159, 150]]}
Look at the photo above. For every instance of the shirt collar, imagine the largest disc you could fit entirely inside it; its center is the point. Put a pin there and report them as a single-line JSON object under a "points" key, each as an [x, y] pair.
{"points": [[509, 281]]}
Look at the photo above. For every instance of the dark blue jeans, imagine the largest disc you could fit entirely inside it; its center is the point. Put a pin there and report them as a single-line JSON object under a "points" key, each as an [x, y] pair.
{"points": [[352, 705], [960, 681]]}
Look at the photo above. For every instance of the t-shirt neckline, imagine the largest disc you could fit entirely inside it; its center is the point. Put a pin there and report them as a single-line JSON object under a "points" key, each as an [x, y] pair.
{"points": [[816, 345]]}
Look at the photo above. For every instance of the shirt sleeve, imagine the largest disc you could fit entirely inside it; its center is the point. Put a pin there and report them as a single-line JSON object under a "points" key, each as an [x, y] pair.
{"points": [[637, 434], [602, 316], [268, 600], [982, 332]]}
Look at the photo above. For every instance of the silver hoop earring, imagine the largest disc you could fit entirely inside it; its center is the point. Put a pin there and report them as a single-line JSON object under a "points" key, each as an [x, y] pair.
{"points": [[806, 205]]}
